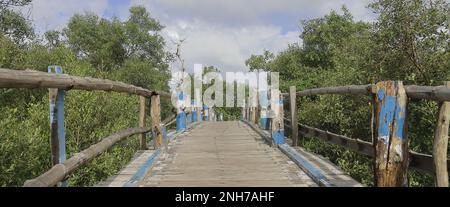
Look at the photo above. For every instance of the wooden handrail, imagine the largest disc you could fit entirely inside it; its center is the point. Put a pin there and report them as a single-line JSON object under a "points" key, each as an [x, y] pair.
{"points": [[435, 93], [419, 161], [60, 171], [36, 79]]}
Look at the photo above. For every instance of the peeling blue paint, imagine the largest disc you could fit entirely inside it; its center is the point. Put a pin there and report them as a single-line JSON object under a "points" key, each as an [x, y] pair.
{"points": [[387, 113], [264, 123], [181, 121], [400, 120], [189, 118], [143, 170], [194, 116], [57, 116], [306, 165], [278, 137], [390, 111]]}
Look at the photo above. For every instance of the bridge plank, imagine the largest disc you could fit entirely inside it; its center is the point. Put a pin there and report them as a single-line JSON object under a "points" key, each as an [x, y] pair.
{"points": [[224, 154]]}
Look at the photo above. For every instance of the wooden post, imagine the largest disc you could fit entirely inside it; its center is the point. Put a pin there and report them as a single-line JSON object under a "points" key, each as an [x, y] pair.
{"points": [[181, 113], [294, 119], [199, 114], [142, 116], [54, 143], [57, 129], [257, 108], [194, 111], [264, 116], [390, 144], [277, 126], [155, 113], [440, 144], [246, 109]]}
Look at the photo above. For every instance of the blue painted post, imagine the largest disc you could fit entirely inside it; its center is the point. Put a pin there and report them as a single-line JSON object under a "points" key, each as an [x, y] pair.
{"points": [[391, 145], [181, 114], [205, 113], [58, 137], [189, 118], [264, 116], [194, 112], [277, 120]]}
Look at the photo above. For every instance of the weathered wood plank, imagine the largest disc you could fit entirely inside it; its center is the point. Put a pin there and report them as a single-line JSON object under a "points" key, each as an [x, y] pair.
{"points": [[224, 154], [440, 144], [391, 146], [320, 170]]}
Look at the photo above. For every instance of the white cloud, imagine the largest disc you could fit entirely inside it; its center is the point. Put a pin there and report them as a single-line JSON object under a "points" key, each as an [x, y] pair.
{"points": [[220, 33], [226, 47], [253, 11], [54, 14], [226, 33]]}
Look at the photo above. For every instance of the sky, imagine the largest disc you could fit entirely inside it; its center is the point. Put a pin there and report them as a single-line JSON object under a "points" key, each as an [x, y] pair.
{"points": [[223, 33]]}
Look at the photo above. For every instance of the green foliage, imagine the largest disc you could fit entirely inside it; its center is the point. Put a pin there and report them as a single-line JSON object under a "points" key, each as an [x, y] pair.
{"points": [[95, 47], [12, 23], [106, 43], [259, 62], [412, 40], [98, 40]]}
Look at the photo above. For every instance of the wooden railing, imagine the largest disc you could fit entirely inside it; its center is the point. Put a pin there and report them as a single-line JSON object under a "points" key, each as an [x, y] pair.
{"points": [[389, 147], [62, 82]]}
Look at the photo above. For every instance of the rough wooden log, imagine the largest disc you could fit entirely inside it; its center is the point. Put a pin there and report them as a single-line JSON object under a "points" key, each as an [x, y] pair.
{"points": [[142, 121], [36, 79], [294, 118], [169, 120], [440, 144], [54, 141], [436, 93], [61, 171], [351, 89], [391, 146], [156, 121]]}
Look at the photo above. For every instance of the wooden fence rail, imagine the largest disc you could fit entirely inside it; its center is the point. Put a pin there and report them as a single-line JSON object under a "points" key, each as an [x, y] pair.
{"points": [[61, 82], [60, 171], [36, 79], [419, 161], [389, 145], [435, 93]]}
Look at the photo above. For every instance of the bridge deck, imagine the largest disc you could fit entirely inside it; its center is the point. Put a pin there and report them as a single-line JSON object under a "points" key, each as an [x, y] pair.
{"points": [[224, 154]]}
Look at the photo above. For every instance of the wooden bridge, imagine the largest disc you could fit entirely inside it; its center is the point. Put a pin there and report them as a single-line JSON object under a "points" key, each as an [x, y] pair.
{"points": [[248, 152]]}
